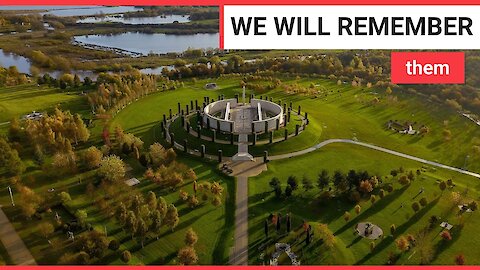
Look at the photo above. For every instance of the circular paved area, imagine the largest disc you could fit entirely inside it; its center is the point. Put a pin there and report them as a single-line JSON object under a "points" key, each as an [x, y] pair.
{"points": [[368, 230]]}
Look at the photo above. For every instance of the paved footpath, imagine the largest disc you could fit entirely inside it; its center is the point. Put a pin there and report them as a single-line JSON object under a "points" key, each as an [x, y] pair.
{"points": [[242, 170], [18, 252]]}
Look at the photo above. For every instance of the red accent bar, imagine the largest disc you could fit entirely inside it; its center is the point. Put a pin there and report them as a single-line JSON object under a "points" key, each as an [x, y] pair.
{"points": [[221, 27], [428, 67]]}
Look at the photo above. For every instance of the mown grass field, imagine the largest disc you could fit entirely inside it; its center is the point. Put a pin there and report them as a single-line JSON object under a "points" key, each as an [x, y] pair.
{"points": [[16, 101], [308, 206]]}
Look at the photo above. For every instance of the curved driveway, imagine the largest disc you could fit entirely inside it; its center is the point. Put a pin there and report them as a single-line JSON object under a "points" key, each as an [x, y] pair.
{"points": [[378, 148]]}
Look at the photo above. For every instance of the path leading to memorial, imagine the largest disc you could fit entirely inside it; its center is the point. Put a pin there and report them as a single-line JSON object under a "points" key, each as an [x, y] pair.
{"points": [[242, 170], [18, 252], [371, 146]]}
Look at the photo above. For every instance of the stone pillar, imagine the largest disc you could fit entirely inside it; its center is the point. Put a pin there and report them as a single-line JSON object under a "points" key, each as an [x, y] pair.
{"points": [[284, 107], [183, 112], [164, 119], [231, 127], [196, 105], [266, 126], [306, 115], [265, 156], [277, 124], [178, 106], [219, 156], [288, 115], [185, 149], [214, 136], [297, 127], [183, 120], [231, 138], [253, 127], [199, 131], [202, 150], [172, 140], [170, 112], [286, 134], [191, 104], [188, 127], [203, 106], [187, 109], [299, 110], [208, 123], [271, 137], [162, 127], [218, 124], [291, 105], [254, 139], [236, 97]]}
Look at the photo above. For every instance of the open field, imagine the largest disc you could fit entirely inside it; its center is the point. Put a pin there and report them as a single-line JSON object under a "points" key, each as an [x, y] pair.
{"points": [[310, 207], [16, 101]]}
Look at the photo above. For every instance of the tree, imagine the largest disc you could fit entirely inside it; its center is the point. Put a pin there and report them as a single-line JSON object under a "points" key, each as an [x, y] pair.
{"points": [[390, 188], [292, 182], [346, 216], [193, 201], [307, 184], [358, 209], [415, 206], [373, 199], [372, 246], [94, 243], [29, 201], [142, 230], [152, 200], [274, 183], [81, 216], [191, 237], [323, 179], [112, 168], [187, 256], [45, 229], [402, 243], [381, 193], [171, 217], [289, 222], [170, 156], [442, 185], [114, 245], [327, 235], [15, 130], [64, 197], [365, 187], [157, 154], [460, 259], [446, 235], [92, 157], [423, 202], [403, 180], [288, 191], [162, 206], [131, 223], [393, 228], [126, 256]]}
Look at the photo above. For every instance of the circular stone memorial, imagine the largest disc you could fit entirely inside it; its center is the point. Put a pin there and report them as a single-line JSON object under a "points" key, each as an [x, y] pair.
{"points": [[368, 230], [229, 115]]}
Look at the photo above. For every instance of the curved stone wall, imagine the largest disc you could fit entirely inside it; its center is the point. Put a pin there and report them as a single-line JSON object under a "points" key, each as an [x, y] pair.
{"points": [[229, 126], [272, 108], [216, 122]]}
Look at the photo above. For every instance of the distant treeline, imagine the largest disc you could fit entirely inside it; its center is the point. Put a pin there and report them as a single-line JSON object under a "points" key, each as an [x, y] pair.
{"points": [[195, 13]]}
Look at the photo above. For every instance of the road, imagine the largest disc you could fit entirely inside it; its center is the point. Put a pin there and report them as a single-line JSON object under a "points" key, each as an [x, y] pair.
{"points": [[18, 252], [371, 146]]}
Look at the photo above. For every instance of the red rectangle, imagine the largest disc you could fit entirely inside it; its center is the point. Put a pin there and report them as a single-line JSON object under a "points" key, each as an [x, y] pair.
{"points": [[428, 67]]}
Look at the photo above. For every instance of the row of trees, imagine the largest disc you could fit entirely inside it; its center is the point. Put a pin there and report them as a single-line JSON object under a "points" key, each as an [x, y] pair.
{"points": [[115, 91], [11, 76]]}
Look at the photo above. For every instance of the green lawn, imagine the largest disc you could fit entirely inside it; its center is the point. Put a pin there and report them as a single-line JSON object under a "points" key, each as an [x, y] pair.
{"points": [[16, 101], [350, 249]]}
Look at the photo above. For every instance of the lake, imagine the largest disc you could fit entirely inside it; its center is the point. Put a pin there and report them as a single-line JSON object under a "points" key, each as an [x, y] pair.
{"points": [[23, 65], [135, 20], [146, 43]]}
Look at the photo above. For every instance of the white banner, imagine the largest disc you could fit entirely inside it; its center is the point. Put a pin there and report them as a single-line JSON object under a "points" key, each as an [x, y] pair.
{"points": [[352, 27]]}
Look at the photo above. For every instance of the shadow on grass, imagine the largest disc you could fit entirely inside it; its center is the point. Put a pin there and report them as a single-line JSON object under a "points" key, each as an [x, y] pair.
{"points": [[373, 209]]}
